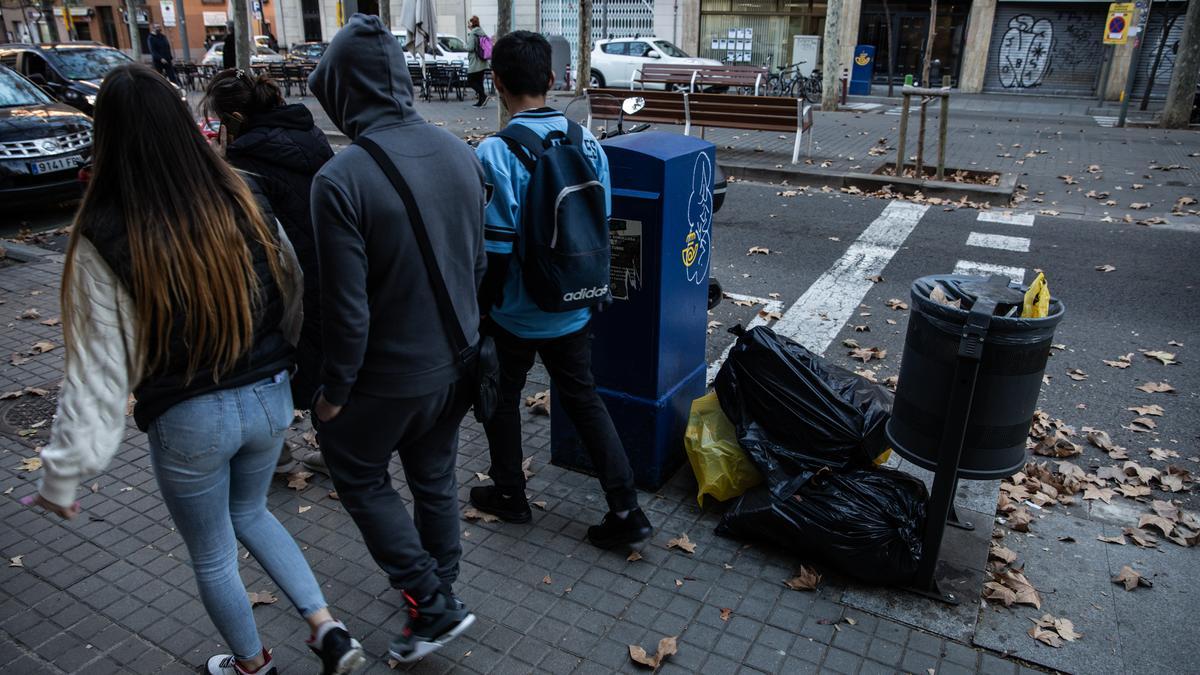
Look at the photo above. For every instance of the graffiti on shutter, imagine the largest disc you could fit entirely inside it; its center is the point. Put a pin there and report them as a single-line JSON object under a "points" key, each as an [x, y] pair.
{"points": [[1043, 48]]}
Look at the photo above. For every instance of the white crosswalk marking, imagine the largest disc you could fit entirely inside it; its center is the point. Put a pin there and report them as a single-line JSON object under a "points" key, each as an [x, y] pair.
{"points": [[761, 319], [818, 316], [980, 269], [862, 107], [998, 241], [1105, 120], [895, 112], [1006, 218]]}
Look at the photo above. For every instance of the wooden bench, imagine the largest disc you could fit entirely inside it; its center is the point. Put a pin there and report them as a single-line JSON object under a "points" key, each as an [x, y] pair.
{"points": [[727, 111], [688, 77]]}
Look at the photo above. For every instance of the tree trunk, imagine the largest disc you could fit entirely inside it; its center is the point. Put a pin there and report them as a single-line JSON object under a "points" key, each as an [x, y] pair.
{"points": [[385, 13], [1183, 78], [241, 33], [135, 39], [1168, 24], [891, 64], [831, 56], [929, 46], [51, 22], [504, 17], [583, 73]]}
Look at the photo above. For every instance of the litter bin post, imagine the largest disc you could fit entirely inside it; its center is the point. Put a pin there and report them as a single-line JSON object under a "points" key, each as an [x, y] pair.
{"points": [[648, 355], [972, 381]]}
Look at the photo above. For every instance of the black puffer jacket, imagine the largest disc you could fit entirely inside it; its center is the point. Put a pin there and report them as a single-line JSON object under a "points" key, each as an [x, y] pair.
{"points": [[283, 149]]}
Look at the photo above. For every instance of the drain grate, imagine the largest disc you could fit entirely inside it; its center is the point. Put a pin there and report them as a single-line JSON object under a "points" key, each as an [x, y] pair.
{"points": [[18, 416]]}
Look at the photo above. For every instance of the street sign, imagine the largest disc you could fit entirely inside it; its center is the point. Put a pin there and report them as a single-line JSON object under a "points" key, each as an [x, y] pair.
{"points": [[1116, 28], [258, 10], [168, 12]]}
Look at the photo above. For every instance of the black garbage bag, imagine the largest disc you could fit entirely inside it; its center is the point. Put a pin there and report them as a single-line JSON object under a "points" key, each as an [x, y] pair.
{"points": [[793, 410], [866, 523]]}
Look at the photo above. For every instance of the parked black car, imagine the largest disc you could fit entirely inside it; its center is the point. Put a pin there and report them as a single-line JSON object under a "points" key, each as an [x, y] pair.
{"points": [[307, 51], [43, 144], [69, 71]]}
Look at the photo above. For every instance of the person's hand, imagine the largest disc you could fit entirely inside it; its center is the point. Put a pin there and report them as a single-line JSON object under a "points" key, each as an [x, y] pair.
{"points": [[66, 512], [326, 411]]}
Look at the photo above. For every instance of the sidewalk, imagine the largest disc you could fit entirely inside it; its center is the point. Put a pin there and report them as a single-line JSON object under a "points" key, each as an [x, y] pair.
{"points": [[112, 593]]}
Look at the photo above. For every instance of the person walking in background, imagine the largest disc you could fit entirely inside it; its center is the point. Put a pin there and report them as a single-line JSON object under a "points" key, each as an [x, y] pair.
{"points": [[522, 73], [229, 51], [281, 146], [191, 304], [479, 51], [161, 54], [393, 382]]}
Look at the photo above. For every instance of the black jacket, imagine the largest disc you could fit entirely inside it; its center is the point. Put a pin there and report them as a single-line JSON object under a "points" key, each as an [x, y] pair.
{"points": [[168, 385], [160, 48], [283, 149], [382, 332], [229, 56]]}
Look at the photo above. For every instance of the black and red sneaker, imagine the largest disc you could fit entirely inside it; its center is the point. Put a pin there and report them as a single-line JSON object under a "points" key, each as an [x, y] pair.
{"points": [[430, 626]]}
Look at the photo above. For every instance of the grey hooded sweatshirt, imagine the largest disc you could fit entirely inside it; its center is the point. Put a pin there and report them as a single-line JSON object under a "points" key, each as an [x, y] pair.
{"points": [[381, 329]]}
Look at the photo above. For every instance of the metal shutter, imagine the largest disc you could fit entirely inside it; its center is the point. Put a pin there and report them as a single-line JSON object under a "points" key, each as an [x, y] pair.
{"points": [[1161, 14], [1045, 48]]}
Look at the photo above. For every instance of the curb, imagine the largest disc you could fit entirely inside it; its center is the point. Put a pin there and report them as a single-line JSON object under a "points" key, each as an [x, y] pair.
{"points": [[25, 253], [994, 195]]}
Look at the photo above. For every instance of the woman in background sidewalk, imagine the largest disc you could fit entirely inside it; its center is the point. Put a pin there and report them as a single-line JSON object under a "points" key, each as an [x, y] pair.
{"points": [[282, 148], [476, 65], [179, 287]]}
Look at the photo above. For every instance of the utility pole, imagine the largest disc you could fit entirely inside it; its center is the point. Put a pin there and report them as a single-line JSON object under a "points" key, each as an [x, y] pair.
{"points": [[183, 36], [241, 33], [583, 71], [1178, 110], [385, 14], [831, 88], [135, 38], [51, 22]]}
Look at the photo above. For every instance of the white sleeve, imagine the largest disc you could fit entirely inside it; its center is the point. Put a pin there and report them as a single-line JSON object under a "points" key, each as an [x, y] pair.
{"points": [[102, 362]]}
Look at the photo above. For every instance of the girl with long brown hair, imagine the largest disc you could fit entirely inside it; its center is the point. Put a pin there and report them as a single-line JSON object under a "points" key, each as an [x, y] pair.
{"points": [[180, 287]]}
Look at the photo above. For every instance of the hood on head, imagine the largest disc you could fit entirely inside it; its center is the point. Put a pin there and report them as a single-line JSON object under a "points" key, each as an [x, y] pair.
{"points": [[362, 80]]}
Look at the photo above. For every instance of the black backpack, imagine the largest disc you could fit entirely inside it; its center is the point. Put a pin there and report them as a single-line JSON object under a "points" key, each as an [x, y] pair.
{"points": [[564, 248]]}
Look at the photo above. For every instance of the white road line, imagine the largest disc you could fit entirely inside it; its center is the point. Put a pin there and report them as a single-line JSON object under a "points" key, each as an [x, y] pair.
{"points": [[1002, 242], [864, 107], [979, 269], [768, 306], [1105, 120], [817, 317], [1006, 218]]}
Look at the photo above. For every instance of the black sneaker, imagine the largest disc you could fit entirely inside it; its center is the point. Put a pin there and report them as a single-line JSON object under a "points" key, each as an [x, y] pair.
{"points": [[614, 531], [509, 508], [430, 626], [339, 653]]}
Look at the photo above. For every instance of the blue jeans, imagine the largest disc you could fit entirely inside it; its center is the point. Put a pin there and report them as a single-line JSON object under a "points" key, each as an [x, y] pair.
{"points": [[214, 456]]}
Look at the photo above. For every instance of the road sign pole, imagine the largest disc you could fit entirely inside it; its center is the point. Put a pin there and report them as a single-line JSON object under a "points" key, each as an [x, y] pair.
{"points": [[1143, 20]]}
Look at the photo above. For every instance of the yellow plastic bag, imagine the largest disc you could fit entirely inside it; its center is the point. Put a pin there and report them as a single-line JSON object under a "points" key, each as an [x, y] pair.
{"points": [[1037, 299], [721, 466]]}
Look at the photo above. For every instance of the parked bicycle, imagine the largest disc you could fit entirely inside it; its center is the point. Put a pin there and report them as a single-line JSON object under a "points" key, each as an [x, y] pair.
{"points": [[790, 82]]}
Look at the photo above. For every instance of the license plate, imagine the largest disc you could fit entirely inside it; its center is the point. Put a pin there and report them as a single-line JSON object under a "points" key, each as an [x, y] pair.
{"points": [[56, 164]]}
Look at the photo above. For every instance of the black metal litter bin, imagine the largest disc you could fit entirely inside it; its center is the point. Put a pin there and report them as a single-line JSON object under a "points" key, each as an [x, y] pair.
{"points": [[1011, 365]]}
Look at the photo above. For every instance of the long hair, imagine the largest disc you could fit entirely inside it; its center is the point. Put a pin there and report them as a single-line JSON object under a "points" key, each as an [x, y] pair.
{"points": [[189, 218], [233, 91]]}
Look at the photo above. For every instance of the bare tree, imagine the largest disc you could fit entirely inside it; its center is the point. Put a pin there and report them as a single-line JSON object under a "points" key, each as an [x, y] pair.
{"points": [[241, 33], [891, 47], [831, 56], [928, 60], [504, 17], [135, 38], [385, 13], [1168, 24]]}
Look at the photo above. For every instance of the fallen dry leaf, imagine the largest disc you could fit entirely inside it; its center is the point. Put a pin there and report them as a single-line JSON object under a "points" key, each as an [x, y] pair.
{"points": [[471, 513], [1156, 388], [1077, 374], [682, 543], [1119, 539], [15, 561], [257, 598], [1122, 362], [1154, 520], [42, 347], [303, 509], [759, 250], [540, 505], [547, 580], [1138, 206], [1131, 579], [1152, 409], [666, 647], [298, 480], [51, 322], [865, 354], [1020, 519], [806, 579], [527, 467], [1141, 425], [1105, 268], [634, 556], [897, 304], [726, 612], [539, 403], [938, 295], [1167, 358], [1141, 537], [30, 464]]}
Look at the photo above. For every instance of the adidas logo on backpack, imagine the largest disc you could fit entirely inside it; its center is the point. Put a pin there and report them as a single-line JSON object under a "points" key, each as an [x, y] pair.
{"points": [[563, 250]]}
